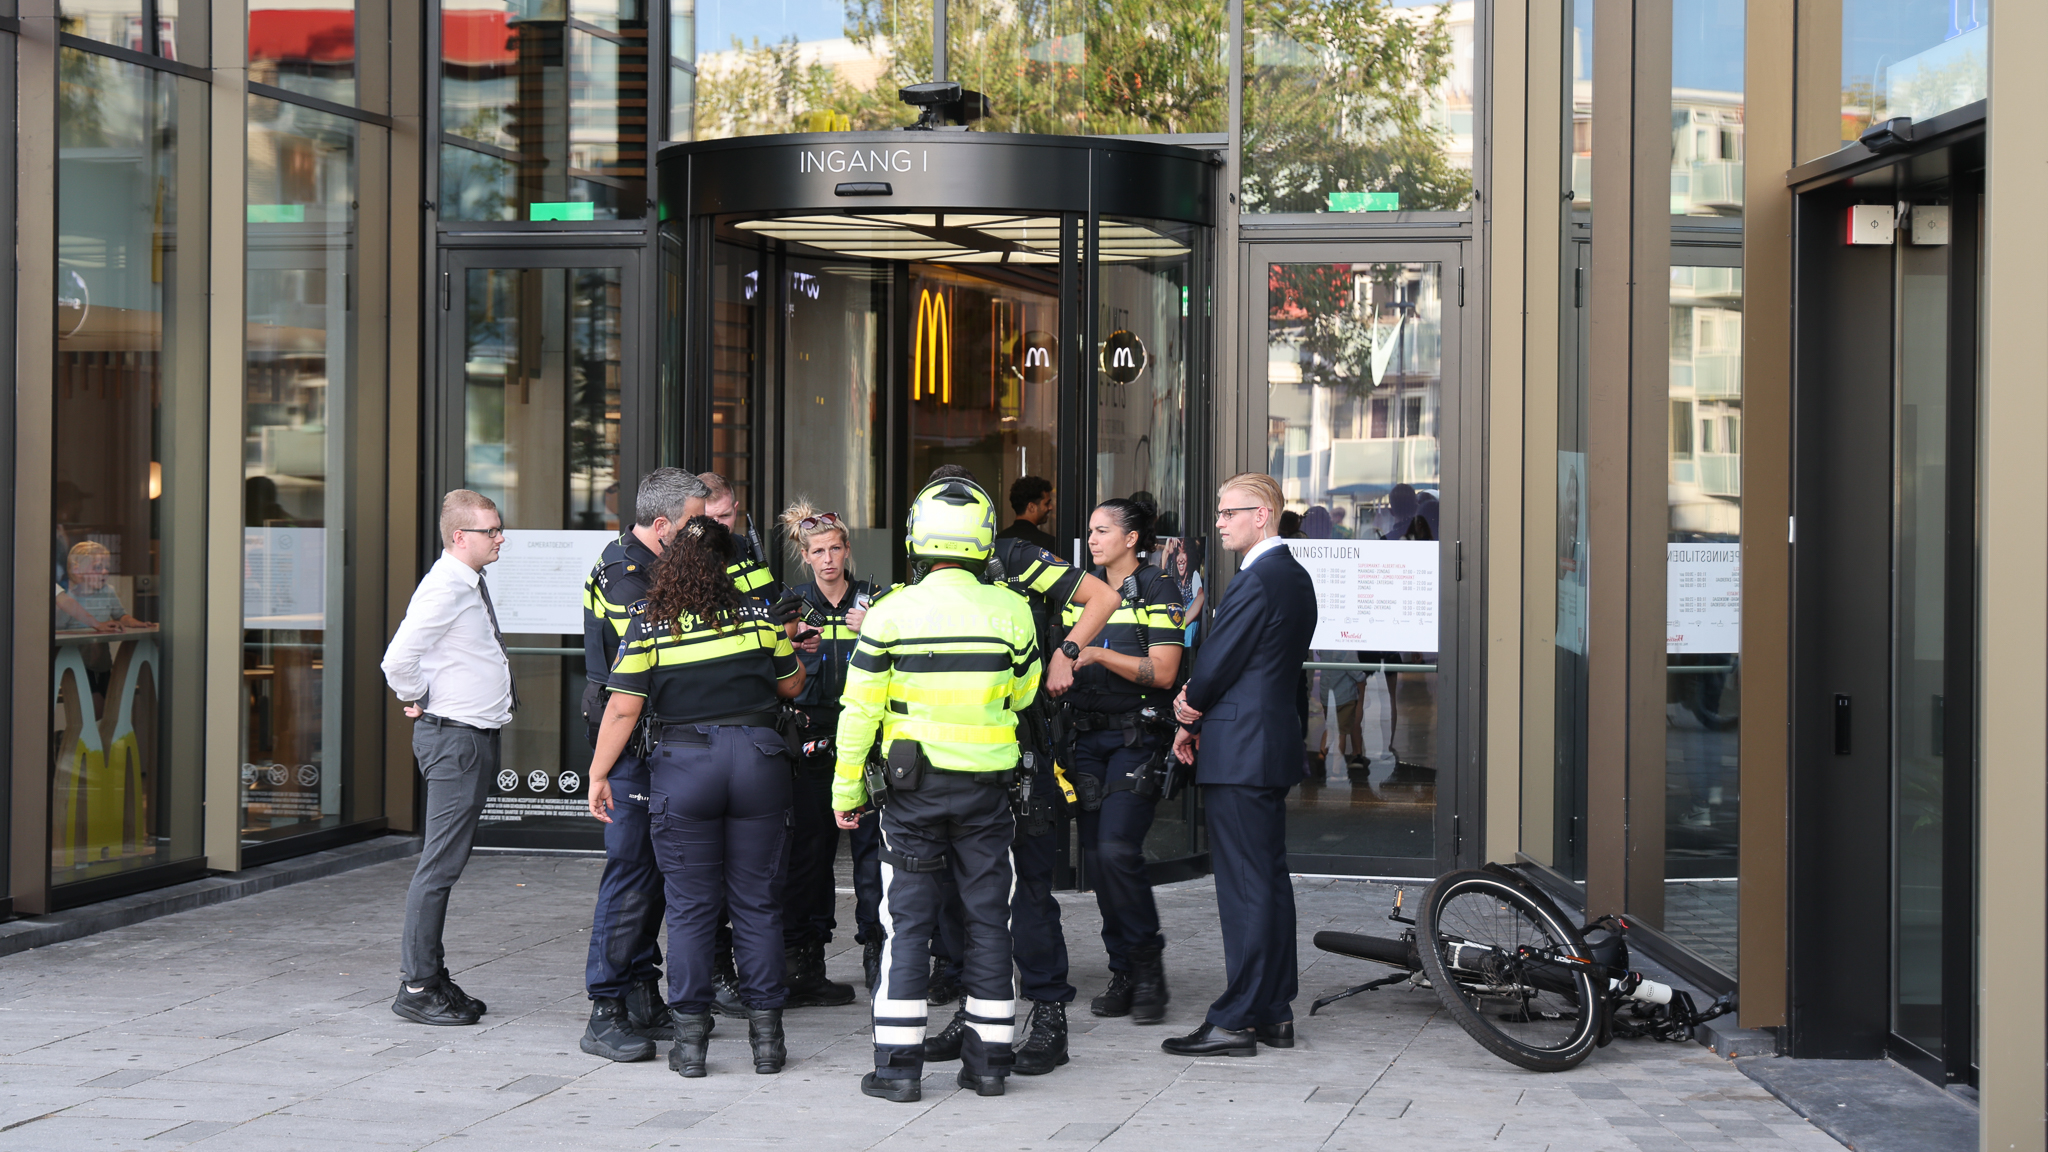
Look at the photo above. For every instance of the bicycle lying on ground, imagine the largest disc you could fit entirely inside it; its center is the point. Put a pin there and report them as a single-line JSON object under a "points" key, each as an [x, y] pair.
{"points": [[1515, 974]]}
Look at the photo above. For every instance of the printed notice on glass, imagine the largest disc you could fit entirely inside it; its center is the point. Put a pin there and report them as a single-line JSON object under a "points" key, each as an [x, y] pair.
{"points": [[284, 578], [1703, 598], [537, 581], [1372, 595]]}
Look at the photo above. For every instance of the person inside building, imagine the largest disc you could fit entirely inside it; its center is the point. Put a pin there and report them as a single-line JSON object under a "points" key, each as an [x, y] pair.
{"points": [[834, 604], [1054, 589], [1031, 498], [622, 975], [1120, 711], [701, 672], [945, 693]]}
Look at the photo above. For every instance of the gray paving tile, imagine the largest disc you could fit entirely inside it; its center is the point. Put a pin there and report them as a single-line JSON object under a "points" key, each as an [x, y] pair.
{"points": [[1088, 1132], [192, 1130]]}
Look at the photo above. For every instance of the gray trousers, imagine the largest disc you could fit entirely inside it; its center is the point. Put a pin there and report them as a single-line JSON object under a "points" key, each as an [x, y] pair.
{"points": [[459, 765]]}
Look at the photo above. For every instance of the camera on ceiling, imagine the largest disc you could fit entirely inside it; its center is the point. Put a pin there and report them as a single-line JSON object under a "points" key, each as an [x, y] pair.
{"points": [[943, 106]]}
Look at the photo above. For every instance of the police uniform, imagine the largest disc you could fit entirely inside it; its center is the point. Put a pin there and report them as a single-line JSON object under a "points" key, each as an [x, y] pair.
{"points": [[943, 667], [623, 970], [809, 893], [719, 781], [750, 572], [1122, 732]]}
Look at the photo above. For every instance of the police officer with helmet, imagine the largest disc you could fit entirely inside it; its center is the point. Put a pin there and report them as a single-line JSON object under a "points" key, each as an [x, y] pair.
{"points": [[942, 666], [622, 975], [700, 676]]}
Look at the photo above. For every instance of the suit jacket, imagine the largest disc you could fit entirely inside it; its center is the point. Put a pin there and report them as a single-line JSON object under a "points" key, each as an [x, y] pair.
{"points": [[1248, 672]]}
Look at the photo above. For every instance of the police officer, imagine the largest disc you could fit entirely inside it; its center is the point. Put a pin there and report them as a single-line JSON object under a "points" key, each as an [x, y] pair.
{"points": [[1120, 711], [705, 669], [749, 567], [833, 606], [1053, 587], [628, 1013], [943, 666]]}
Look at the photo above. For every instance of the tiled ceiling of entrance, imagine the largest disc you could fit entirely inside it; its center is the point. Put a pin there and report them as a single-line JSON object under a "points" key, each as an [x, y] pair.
{"points": [[959, 238]]}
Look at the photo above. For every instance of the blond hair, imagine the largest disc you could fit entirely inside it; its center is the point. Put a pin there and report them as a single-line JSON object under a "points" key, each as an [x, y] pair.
{"points": [[1263, 489], [719, 485], [799, 510], [86, 550], [459, 505]]}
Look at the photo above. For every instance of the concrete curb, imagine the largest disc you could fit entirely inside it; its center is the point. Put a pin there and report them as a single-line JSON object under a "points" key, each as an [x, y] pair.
{"points": [[36, 932], [1869, 1105]]}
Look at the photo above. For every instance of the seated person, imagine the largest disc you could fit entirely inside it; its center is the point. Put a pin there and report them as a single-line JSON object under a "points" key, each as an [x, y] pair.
{"points": [[89, 561]]}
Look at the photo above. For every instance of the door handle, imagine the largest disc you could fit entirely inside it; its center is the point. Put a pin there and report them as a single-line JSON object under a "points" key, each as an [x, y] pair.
{"points": [[1841, 724]]}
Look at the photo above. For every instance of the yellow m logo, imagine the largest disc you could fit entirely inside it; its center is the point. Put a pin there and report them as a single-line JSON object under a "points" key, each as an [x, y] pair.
{"points": [[931, 349]]}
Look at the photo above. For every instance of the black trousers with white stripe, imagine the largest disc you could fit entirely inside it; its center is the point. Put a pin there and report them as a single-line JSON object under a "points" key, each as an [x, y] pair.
{"points": [[973, 820]]}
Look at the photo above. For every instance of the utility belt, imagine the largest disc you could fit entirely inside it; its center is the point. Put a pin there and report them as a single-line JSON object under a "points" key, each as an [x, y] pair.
{"points": [[654, 732], [905, 767], [1135, 724], [1159, 776]]}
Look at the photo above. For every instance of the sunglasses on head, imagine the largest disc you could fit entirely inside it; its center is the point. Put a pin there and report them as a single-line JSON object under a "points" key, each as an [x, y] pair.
{"points": [[821, 520]]}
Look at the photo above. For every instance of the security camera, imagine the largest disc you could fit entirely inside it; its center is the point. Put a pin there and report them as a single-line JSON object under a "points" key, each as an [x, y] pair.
{"points": [[943, 104], [929, 94]]}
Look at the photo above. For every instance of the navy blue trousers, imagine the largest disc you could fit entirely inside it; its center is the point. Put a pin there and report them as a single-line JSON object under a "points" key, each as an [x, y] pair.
{"points": [[808, 893], [719, 815], [1113, 846], [1255, 900], [625, 928], [1038, 942], [864, 843]]}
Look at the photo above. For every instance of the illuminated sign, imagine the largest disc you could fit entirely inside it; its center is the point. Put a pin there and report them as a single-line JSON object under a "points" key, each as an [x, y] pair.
{"points": [[1041, 365], [931, 349], [863, 160], [1123, 356]]}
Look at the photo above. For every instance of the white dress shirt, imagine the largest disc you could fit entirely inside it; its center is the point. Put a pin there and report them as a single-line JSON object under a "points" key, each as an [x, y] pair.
{"points": [[446, 655], [1260, 549]]}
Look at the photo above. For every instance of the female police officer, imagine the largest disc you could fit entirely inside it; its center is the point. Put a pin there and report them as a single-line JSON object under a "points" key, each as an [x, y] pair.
{"points": [[1120, 710], [707, 667]]}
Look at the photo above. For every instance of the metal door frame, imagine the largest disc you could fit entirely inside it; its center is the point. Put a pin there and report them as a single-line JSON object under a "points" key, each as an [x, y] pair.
{"points": [[1457, 823]]}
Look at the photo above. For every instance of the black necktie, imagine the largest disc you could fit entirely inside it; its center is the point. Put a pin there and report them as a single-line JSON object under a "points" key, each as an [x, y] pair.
{"points": [[483, 589]]}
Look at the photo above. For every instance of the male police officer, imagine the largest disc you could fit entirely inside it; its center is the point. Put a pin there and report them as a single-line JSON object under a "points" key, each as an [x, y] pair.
{"points": [[628, 1011], [943, 666], [749, 568], [1050, 584]]}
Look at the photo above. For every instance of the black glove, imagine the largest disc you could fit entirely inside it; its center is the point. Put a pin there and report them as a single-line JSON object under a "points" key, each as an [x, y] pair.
{"points": [[786, 609]]}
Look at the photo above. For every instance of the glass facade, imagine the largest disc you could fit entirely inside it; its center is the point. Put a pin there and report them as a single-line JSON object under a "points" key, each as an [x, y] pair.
{"points": [[1915, 58], [306, 46], [152, 27], [129, 469]]}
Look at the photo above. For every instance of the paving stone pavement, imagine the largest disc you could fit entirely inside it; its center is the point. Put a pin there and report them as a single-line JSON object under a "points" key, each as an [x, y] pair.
{"points": [[265, 1024]]}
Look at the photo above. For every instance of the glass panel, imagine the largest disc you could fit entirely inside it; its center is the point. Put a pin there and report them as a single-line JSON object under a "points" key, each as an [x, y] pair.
{"points": [[1145, 66], [1916, 58], [1703, 620], [1354, 373], [543, 110], [129, 470], [542, 352], [1149, 333], [1579, 140], [1919, 669], [1354, 106], [836, 345], [760, 66], [738, 326], [137, 25], [298, 385], [1706, 108], [305, 46]]}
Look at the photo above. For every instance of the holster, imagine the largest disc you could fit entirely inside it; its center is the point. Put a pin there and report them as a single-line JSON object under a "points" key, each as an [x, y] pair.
{"points": [[875, 774], [905, 765], [1020, 786]]}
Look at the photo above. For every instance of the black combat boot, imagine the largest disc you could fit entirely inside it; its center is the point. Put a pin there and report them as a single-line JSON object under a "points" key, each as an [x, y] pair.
{"points": [[1148, 986], [693, 1037], [764, 1035], [725, 989], [808, 985], [1115, 999], [945, 986], [647, 1013], [1045, 1041], [611, 1036], [982, 1085], [946, 1045], [871, 961], [906, 1090]]}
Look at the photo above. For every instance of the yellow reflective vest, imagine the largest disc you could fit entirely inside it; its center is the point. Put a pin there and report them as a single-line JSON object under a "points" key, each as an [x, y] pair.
{"points": [[947, 662]]}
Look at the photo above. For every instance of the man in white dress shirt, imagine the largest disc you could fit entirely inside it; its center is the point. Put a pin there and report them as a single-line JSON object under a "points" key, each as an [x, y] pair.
{"points": [[448, 665]]}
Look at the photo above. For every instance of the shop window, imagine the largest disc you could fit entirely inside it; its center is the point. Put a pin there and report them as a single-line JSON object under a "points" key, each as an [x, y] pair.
{"points": [[306, 46]]}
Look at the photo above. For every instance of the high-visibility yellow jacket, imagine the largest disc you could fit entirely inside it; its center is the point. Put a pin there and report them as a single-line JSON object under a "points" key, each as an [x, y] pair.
{"points": [[947, 662]]}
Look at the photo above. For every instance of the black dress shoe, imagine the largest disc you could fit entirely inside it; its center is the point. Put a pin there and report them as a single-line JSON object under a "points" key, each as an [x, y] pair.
{"points": [[1279, 1035], [1209, 1040], [432, 1005], [982, 1085], [904, 1091]]}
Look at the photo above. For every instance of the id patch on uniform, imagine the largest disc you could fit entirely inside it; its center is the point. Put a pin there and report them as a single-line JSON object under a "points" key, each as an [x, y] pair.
{"points": [[1178, 614]]}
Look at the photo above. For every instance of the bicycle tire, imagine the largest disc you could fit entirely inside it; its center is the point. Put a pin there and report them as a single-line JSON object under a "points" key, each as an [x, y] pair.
{"points": [[1472, 909], [1379, 949]]}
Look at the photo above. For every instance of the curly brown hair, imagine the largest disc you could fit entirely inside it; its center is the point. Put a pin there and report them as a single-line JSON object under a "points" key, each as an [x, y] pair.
{"points": [[691, 580]]}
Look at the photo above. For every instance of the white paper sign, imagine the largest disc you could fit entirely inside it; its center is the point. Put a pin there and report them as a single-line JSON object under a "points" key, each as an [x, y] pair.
{"points": [[1703, 598], [1372, 595], [284, 578], [537, 580]]}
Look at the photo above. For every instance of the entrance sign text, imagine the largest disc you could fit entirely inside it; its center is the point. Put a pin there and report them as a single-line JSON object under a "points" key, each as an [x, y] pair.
{"points": [[863, 160]]}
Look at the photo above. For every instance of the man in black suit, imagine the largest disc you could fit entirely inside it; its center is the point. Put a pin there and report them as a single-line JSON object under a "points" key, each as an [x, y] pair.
{"points": [[1240, 732]]}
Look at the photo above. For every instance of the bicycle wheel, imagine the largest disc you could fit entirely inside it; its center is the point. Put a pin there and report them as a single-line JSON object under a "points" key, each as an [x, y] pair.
{"points": [[1395, 953], [1500, 961]]}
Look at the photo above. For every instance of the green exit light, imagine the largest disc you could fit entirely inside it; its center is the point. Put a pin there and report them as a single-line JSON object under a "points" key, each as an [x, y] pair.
{"points": [[277, 213], [1365, 201], [562, 210]]}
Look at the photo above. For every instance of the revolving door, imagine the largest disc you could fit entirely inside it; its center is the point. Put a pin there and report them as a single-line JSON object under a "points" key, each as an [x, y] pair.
{"points": [[844, 312]]}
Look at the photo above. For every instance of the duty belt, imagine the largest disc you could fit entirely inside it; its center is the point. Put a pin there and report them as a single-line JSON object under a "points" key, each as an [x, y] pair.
{"points": [[763, 719]]}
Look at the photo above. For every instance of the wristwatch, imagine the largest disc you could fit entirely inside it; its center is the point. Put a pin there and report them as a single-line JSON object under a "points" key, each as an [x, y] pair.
{"points": [[1070, 650]]}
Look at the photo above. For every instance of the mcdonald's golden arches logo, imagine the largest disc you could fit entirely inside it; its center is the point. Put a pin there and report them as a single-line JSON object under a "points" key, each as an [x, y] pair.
{"points": [[931, 348]]}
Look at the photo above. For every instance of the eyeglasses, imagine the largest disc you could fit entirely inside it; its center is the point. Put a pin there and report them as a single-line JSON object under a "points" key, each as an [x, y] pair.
{"points": [[1225, 513], [491, 533], [821, 520]]}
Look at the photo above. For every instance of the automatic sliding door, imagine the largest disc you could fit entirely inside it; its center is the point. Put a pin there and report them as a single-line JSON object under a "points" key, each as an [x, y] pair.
{"points": [[536, 352]]}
